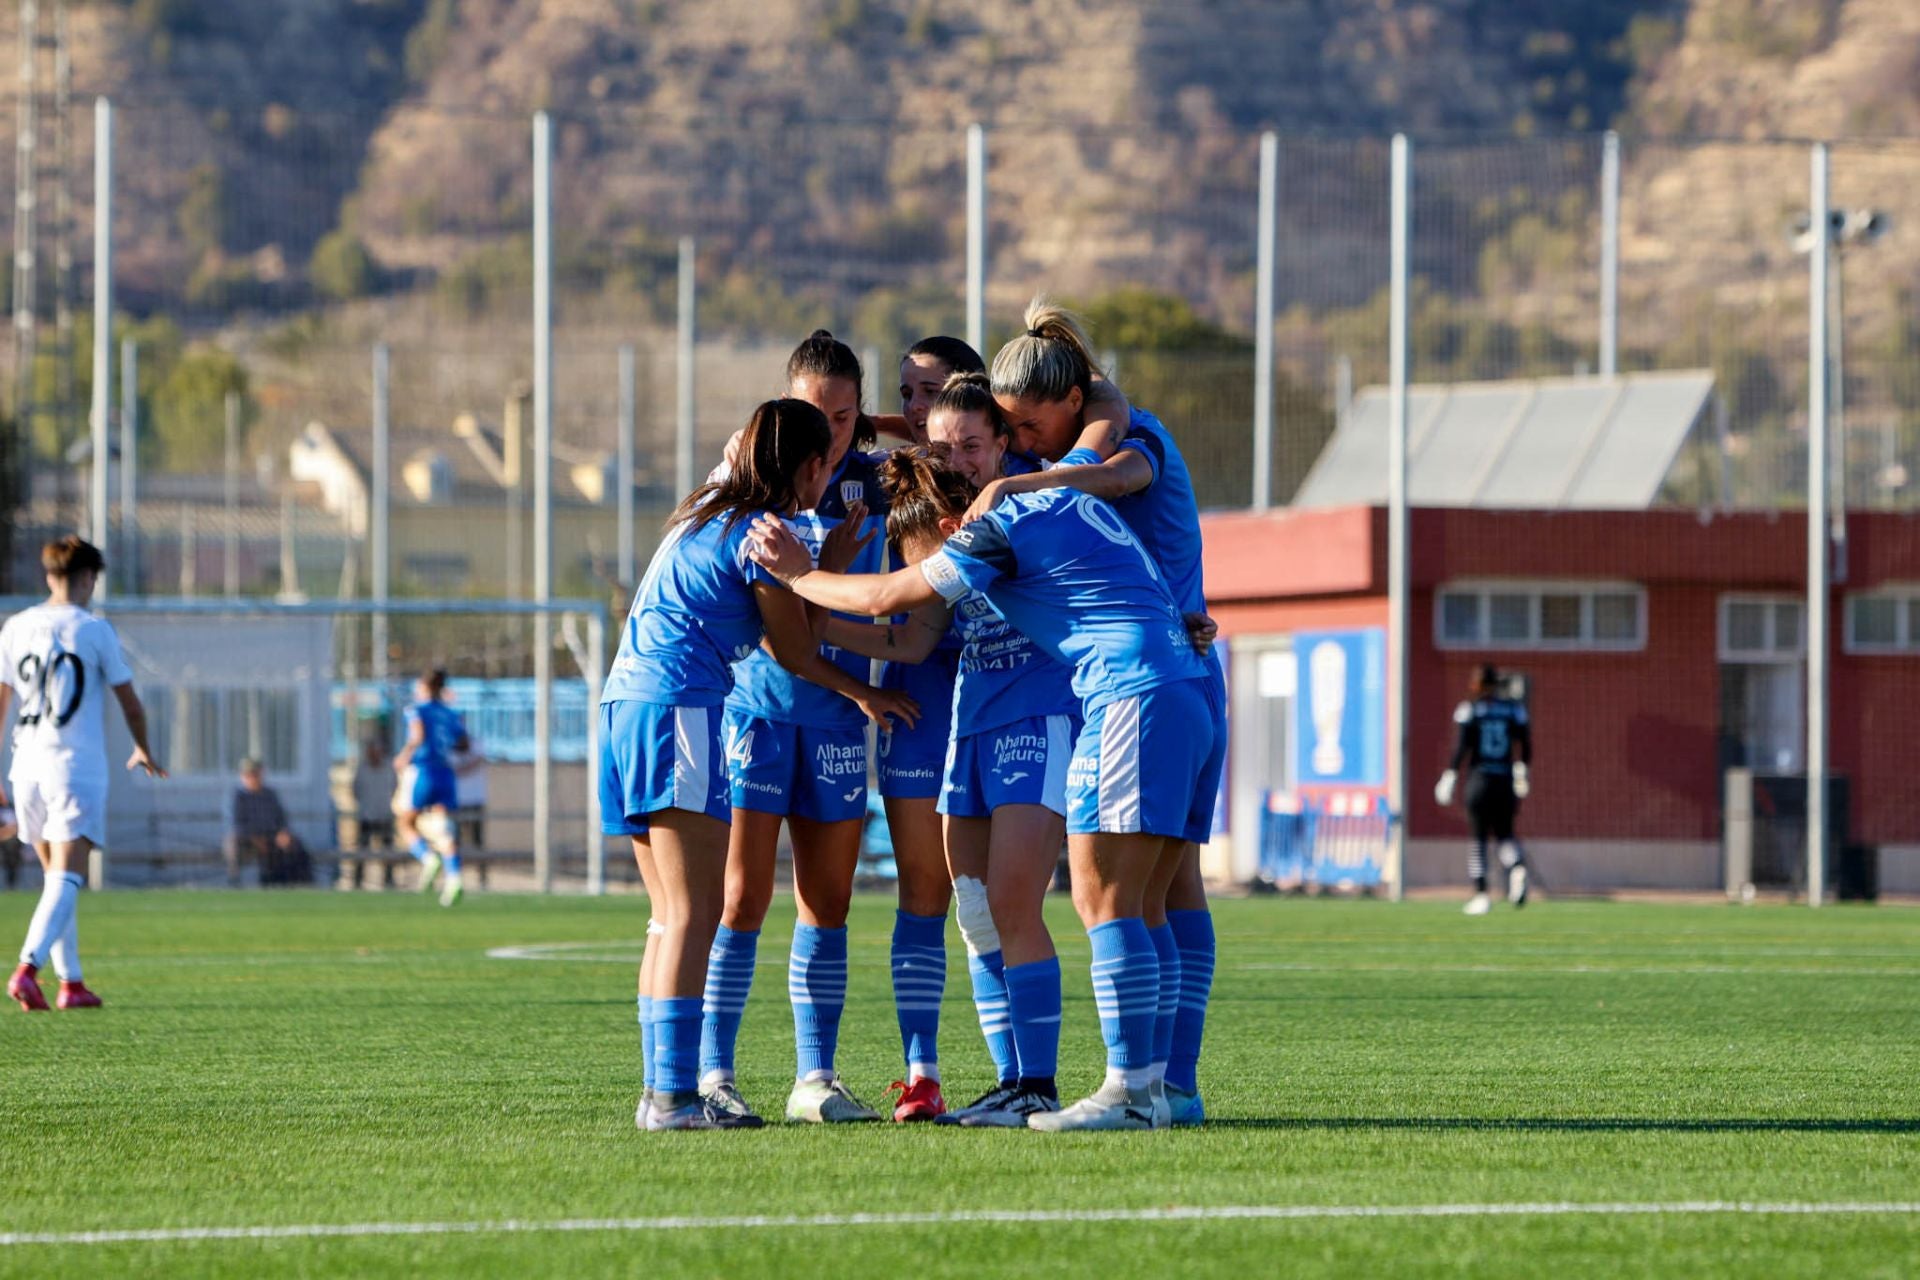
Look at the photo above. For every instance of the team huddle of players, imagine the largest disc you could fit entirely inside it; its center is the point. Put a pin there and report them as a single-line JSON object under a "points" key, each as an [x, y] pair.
{"points": [[1029, 571]]}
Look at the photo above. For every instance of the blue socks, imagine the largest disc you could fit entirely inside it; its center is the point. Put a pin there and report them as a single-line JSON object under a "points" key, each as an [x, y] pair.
{"points": [[421, 848], [919, 982], [1168, 952], [676, 1044], [990, 998], [817, 987], [646, 1041], [1033, 994], [729, 979], [1126, 988], [453, 863], [1193, 932]]}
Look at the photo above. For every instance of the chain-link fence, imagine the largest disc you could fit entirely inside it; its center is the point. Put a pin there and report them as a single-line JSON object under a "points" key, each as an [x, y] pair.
{"points": [[262, 256]]}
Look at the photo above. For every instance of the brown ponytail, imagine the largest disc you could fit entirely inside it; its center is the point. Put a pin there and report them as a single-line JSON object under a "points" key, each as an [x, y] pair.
{"points": [[922, 490], [781, 437], [972, 393]]}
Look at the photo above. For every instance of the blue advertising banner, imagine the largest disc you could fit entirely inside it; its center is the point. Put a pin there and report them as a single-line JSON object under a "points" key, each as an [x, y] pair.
{"points": [[1340, 714]]}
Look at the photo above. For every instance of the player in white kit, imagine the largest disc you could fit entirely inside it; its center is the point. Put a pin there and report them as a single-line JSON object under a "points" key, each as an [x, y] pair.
{"points": [[60, 662]]}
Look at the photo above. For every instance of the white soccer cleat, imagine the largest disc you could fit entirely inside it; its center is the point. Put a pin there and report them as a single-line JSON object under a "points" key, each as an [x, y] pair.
{"points": [[1162, 1109], [1478, 905], [1112, 1106], [451, 890], [645, 1106], [826, 1102], [1517, 886]]}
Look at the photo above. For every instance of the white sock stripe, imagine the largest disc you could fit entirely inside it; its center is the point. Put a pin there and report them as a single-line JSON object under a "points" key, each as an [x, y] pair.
{"points": [[988, 1217]]}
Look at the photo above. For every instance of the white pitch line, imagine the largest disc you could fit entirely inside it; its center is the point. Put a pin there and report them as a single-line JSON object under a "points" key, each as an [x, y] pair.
{"points": [[964, 1217]]}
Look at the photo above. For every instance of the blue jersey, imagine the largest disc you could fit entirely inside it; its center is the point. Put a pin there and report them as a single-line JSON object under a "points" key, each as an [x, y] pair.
{"points": [[939, 675], [1065, 570], [441, 736], [693, 617], [768, 690], [1004, 675], [1164, 514]]}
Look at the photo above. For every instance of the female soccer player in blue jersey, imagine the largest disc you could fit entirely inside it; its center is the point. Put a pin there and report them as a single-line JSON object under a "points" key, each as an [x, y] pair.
{"points": [[1044, 381], [797, 753], [435, 733], [1063, 569], [910, 765], [1014, 720], [702, 607]]}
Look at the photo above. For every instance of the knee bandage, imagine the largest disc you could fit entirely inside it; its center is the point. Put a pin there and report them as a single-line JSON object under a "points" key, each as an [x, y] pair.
{"points": [[976, 919]]}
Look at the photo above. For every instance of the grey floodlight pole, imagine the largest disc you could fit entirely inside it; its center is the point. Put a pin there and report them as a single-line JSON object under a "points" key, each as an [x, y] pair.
{"points": [[1817, 559], [1610, 255], [1263, 324], [543, 499], [977, 239], [1398, 630], [102, 316]]}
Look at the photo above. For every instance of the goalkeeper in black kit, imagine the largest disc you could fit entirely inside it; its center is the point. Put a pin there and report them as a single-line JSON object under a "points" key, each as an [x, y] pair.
{"points": [[1495, 749]]}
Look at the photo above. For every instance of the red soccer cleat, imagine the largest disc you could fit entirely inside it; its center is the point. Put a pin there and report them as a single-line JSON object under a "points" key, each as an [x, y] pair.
{"points": [[74, 995], [920, 1100], [23, 989]]}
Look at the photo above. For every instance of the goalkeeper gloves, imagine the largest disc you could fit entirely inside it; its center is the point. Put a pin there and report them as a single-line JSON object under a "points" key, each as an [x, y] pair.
{"points": [[1443, 789], [1521, 784]]}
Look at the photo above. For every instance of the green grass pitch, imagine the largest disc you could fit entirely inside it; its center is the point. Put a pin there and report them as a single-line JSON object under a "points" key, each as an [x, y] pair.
{"points": [[322, 1058]]}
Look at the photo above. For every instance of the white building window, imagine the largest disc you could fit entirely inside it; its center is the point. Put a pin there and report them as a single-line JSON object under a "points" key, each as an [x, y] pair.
{"points": [[1762, 629], [1558, 615], [1885, 621]]}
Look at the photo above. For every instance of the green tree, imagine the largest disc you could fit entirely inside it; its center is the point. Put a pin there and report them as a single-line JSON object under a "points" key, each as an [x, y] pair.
{"points": [[204, 217], [341, 268], [189, 408]]}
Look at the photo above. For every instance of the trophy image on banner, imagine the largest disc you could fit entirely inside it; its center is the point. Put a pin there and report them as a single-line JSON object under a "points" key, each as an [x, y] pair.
{"points": [[1327, 703]]}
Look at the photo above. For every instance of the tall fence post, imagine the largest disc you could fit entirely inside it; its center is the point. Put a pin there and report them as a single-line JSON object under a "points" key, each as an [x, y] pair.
{"points": [[977, 239], [1610, 255], [230, 544], [130, 463], [685, 427], [1397, 531], [102, 315], [543, 499], [1263, 324], [596, 838], [1817, 562], [623, 463], [380, 504]]}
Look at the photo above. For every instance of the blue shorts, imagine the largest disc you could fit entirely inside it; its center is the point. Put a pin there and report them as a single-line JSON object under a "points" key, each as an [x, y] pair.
{"points": [[655, 757], [795, 770], [430, 786], [1020, 763], [912, 761], [1150, 763]]}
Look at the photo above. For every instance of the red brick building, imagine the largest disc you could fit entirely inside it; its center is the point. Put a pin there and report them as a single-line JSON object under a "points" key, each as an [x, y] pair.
{"points": [[1659, 648]]}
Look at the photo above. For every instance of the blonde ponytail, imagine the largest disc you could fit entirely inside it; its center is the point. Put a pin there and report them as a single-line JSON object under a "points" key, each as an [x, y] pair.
{"points": [[1049, 360]]}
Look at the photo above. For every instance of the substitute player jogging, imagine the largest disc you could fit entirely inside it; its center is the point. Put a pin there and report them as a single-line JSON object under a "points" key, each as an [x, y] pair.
{"points": [[60, 662], [1496, 749], [1066, 571], [428, 784]]}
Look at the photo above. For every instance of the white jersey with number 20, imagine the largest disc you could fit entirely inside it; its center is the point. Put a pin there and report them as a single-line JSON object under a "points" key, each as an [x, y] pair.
{"points": [[60, 661]]}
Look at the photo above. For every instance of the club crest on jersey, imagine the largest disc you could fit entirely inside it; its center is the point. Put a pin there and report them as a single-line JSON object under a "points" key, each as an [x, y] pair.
{"points": [[852, 491]]}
